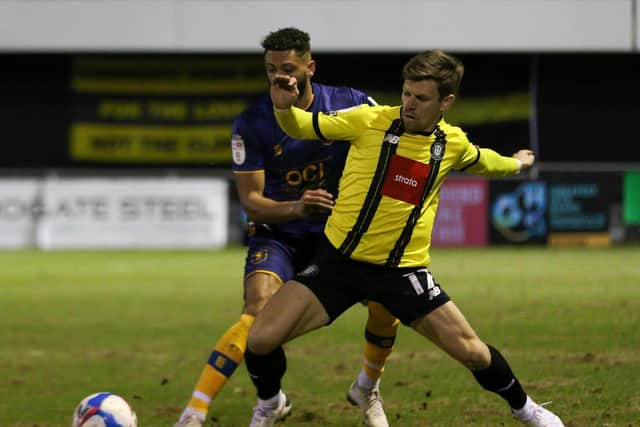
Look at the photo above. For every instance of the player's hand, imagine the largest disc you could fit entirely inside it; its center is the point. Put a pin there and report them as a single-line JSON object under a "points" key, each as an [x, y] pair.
{"points": [[284, 91], [526, 157], [314, 202]]}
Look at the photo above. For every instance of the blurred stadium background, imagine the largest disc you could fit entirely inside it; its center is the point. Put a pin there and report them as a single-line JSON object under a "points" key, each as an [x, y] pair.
{"points": [[116, 121]]}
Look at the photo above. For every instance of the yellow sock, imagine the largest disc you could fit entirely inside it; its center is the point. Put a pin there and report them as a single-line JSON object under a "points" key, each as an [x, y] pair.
{"points": [[380, 335], [225, 358]]}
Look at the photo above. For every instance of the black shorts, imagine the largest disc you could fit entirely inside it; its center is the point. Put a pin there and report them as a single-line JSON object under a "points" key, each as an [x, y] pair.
{"points": [[339, 282]]}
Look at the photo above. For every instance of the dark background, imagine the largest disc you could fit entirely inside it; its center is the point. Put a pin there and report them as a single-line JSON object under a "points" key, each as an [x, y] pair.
{"points": [[587, 104]]}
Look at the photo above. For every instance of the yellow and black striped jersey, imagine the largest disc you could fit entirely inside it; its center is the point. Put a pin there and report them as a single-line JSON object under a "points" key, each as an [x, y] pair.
{"points": [[391, 181]]}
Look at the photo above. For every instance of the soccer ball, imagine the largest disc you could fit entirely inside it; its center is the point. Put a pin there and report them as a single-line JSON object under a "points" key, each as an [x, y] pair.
{"points": [[104, 410]]}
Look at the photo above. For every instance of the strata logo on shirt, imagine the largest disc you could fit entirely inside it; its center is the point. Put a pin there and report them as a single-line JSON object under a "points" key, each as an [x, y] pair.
{"points": [[406, 180], [237, 149]]}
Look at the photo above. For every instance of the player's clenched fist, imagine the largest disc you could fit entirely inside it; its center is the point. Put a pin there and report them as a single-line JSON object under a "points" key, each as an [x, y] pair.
{"points": [[284, 91], [314, 202]]}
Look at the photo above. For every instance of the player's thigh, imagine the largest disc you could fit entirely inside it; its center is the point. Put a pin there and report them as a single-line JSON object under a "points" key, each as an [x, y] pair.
{"points": [[291, 312], [447, 327], [407, 293], [268, 265], [258, 289]]}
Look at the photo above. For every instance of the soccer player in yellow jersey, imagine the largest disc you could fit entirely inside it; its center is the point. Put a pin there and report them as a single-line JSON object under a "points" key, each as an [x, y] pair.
{"points": [[378, 234]]}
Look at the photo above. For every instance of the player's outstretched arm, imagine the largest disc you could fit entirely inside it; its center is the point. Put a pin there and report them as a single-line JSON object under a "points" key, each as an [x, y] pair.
{"points": [[488, 163]]}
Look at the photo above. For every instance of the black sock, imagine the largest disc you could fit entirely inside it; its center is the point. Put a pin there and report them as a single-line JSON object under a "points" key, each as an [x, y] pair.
{"points": [[266, 371], [499, 379]]}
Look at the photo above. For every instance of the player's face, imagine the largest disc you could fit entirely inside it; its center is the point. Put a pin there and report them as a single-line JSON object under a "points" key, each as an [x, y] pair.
{"points": [[288, 62], [422, 106]]}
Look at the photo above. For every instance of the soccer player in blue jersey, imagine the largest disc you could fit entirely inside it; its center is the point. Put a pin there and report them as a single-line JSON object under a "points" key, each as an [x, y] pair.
{"points": [[287, 188]]}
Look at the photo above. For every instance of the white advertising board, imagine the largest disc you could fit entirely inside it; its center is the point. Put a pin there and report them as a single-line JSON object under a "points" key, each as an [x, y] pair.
{"points": [[19, 209], [133, 213], [334, 25]]}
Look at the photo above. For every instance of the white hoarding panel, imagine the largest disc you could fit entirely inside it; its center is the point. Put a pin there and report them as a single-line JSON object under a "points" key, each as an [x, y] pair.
{"points": [[134, 213], [335, 25], [87, 25], [18, 211], [413, 25]]}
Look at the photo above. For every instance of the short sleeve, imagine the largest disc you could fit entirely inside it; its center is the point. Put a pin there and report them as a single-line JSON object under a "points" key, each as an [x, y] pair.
{"points": [[245, 147], [470, 154]]}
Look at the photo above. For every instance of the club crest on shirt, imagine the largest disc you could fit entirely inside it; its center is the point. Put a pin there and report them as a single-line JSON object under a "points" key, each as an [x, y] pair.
{"points": [[437, 151], [238, 151], [277, 150], [259, 256], [392, 139]]}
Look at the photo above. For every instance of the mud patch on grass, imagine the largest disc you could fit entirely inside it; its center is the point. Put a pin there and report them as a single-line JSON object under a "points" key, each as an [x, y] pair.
{"points": [[308, 418], [476, 411], [168, 410], [618, 358], [549, 383]]}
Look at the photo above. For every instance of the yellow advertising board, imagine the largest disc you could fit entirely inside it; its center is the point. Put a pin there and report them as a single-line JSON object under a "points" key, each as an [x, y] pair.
{"points": [[148, 144], [160, 110]]}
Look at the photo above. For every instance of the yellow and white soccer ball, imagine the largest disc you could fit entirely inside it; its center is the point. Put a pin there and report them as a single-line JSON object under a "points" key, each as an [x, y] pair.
{"points": [[104, 410]]}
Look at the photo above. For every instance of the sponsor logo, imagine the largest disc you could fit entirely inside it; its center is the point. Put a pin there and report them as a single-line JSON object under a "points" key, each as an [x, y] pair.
{"points": [[312, 175], [220, 362], [406, 180], [311, 271]]}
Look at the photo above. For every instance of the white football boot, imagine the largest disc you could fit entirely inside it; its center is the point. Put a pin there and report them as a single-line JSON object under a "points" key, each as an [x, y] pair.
{"points": [[189, 420], [370, 402], [267, 417], [535, 415]]}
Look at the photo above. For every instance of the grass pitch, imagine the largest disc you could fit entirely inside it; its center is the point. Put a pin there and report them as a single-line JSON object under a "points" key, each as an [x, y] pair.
{"points": [[141, 324]]}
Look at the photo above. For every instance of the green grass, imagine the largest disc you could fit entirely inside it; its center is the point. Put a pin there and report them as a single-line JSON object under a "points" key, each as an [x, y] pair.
{"points": [[142, 324]]}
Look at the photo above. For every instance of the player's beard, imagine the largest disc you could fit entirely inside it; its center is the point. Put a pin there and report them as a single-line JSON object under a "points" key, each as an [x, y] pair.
{"points": [[302, 86]]}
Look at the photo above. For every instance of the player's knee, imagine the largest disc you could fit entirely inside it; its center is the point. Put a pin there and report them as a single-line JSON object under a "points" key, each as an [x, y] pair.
{"points": [[258, 290], [380, 321], [260, 342], [254, 305]]}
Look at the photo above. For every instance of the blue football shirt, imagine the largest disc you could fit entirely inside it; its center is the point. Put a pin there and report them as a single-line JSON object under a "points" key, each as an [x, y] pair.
{"points": [[290, 165]]}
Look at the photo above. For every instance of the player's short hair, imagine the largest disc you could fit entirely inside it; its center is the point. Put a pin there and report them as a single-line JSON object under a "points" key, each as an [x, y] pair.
{"points": [[287, 39], [446, 70]]}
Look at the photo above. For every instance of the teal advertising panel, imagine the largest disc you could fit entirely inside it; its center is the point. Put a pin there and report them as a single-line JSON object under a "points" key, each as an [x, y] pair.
{"points": [[631, 198]]}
